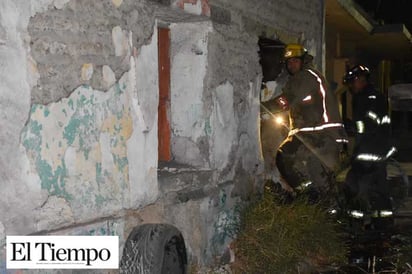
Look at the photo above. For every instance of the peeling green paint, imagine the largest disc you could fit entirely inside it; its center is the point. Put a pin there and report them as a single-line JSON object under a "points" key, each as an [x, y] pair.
{"points": [[98, 171], [80, 119], [86, 152], [226, 227], [119, 114], [70, 131], [46, 112], [208, 128], [99, 199], [118, 128], [33, 108], [83, 101], [35, 128], [223, 198], [53, 181], [32, 136], [82, 127], [121, 162], [113, 142], [70, 103], [118, 88], [102, 230]]}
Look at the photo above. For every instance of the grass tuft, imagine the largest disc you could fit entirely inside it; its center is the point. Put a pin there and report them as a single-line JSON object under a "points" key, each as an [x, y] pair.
{"points": [[292, 238]]}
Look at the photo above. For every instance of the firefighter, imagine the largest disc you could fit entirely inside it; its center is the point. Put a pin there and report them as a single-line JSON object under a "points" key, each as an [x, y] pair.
{"points": [[365, 186], [309, 156]]}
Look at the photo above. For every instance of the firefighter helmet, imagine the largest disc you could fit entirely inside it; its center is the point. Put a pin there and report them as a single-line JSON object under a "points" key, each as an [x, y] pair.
{"points": [[294, 51], [356, 72]]}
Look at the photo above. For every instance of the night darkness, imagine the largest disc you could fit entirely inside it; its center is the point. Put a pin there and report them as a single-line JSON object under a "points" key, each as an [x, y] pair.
{"points": [[389, 11]]}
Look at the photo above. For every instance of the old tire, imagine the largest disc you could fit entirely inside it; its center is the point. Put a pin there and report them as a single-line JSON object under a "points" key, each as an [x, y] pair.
{"points": [[154, 249]]}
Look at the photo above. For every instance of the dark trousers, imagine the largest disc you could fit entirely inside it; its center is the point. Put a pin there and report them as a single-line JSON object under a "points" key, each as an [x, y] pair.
{"points": [[301, 159], [366, 187]]}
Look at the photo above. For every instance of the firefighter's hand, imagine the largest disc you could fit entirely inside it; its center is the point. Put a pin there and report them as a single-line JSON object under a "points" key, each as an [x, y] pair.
{"points": [[283, 103], [275, 105]]}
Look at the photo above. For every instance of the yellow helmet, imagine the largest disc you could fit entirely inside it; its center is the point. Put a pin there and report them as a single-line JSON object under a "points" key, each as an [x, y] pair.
{"points": [[294, 50]]}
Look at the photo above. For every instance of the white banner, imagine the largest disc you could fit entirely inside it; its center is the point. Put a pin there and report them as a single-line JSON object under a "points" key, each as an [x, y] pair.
{"points": [[62, 252]]}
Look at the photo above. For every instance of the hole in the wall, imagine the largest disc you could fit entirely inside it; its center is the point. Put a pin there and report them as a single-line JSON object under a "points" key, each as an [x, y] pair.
{"points": [[164, 95], [270, 52]]}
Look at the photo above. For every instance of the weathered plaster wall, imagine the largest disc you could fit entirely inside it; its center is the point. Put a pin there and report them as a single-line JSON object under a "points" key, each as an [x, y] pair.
{"points": [[214, 97], [229, 117], [83, 141], [207, 224], [79, 107], [20, 187], [291, 21], [233, 84], [80, 154], [71, 45], [189, 123], [206, 214], [214, 118], [78, 110], [238, 25]]}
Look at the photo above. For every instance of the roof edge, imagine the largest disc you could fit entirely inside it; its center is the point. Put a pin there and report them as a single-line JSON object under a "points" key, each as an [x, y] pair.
{"points": [[358, 14]]}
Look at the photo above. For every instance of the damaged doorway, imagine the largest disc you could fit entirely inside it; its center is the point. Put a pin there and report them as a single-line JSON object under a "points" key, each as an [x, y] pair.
{"points": [[164, 95], [274, 77]]}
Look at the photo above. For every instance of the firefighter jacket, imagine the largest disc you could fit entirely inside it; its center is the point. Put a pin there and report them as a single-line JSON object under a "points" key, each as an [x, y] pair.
{"points": [[313, 115], [372, 123], [312, 107]]}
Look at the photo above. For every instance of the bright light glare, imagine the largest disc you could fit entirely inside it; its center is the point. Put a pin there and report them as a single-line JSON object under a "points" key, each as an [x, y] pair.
{"points": [[386, 213], [356, 214], [279, 120]]}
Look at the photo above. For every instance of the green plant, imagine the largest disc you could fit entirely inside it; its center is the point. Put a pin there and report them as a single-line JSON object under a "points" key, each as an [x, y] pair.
{"points": [[276, 238]]}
